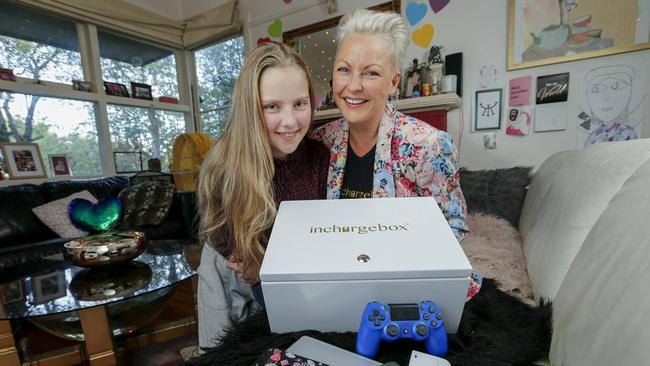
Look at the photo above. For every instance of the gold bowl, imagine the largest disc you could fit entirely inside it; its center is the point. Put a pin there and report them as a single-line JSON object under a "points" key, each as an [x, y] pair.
{"points": [[105, 249]]}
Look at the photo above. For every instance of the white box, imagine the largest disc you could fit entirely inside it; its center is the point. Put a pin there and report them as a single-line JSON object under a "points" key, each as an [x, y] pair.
{"points": [[314, 277]]}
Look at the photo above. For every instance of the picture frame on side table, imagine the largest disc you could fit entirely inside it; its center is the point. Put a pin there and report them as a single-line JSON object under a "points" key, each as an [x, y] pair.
{"points": [[127, 161], [487, 109], [116, 89], [542, 32], [12, 292], [81, 85], [7, 74], [60, 165], [141, 91], [23, 160]]}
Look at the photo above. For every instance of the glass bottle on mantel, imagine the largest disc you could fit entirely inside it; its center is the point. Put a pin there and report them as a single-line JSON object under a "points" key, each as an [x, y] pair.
{"points": [[426, 89], [434, 85]]}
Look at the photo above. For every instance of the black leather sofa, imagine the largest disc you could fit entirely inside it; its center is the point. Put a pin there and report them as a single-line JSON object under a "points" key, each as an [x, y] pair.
{"points": [[24, 238]]}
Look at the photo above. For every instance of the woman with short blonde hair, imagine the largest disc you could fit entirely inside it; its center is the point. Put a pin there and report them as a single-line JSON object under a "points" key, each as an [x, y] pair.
{"points": [[376, 150]]}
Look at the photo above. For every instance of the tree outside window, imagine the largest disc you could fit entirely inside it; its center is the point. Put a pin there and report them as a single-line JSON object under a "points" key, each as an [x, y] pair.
{"points": [[217, 69]]}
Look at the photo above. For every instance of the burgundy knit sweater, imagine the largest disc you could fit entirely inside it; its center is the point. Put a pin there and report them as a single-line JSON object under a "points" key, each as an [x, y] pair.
{"points": [[302, 176]]}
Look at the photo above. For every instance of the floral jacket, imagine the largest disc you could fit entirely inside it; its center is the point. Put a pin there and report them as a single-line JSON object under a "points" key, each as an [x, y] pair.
{"points": [[412, 158]]}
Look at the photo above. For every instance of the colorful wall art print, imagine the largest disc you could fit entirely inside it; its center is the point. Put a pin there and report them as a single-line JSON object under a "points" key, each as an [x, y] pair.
{"points": [[519, 90], [542, 32], [518, 120], [611, 103], [551, 102]]}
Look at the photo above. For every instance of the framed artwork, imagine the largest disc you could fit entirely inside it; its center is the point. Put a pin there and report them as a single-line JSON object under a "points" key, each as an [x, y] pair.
{"points": [[23, 160], [542, 32], [49, 286], [60, 165], [127, 161], [141, 91], [487, 109], [12, 292], [7, 74], [86, 86], [116, 89], [551, 106]]}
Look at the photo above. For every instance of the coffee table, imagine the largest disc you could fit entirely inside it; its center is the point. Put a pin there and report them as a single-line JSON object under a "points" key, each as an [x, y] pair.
{"points": [[51, 293]]}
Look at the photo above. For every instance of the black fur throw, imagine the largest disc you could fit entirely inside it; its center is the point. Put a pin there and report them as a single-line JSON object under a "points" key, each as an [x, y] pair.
{"points": [[496, 329], [498, 192]]}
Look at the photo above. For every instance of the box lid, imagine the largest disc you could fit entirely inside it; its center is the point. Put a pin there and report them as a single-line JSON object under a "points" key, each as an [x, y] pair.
{"points": [[358, 239]]}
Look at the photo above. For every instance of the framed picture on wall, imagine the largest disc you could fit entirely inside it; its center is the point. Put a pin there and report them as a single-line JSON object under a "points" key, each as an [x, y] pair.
{"points": [[542, 32], [23, 160], [487, 109]]}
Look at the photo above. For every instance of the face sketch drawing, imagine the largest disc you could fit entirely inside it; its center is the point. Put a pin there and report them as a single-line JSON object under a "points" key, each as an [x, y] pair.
{"points": [[609, 93]]}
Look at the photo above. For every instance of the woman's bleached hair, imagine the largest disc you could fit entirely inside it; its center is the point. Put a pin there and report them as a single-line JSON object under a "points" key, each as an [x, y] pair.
{"points": [[388, 25], [235, 193]]}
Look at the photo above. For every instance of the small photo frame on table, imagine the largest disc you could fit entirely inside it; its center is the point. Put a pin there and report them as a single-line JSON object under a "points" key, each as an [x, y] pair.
{"points": [[80, 85], [7, 74], [49, 286], [12, 292], [23, 160], [141, 91], [116, 89], [487, 109], [127, 161], [60, 165]]}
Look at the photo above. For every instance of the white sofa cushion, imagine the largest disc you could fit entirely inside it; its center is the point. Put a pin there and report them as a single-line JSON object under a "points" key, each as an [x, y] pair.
{"points": [[566, 197], [600, 314]]}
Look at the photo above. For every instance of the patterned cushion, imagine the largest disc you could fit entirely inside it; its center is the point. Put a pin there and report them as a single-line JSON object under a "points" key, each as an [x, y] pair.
{"points": [[146, 204], [54, 215]]}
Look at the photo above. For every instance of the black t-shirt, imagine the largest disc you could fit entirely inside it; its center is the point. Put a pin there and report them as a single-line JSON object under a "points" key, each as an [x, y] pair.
{"points": [[357, 181]]}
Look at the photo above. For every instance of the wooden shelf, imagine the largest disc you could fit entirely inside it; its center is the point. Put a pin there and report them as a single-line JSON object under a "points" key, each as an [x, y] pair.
{"points": [[435, 102], [58, 90]]}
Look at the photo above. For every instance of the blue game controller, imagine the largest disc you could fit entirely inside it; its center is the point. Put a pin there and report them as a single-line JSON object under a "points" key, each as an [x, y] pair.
{"points": [[422, 322]]}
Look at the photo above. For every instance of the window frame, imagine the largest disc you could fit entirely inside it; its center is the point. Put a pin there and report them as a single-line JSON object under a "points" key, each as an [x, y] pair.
{"points": [[91, 66]]}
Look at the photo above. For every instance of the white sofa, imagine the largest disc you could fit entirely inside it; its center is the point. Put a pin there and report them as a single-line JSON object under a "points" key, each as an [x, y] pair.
{"points": [[585, 226]]}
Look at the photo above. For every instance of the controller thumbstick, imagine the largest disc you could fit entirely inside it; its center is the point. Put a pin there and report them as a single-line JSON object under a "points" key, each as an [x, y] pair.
{"points": [[421, 329], [392, 330]]}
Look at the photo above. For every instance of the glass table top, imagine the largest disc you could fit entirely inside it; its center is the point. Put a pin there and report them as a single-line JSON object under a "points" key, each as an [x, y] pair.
{"points": [[53, 285]]}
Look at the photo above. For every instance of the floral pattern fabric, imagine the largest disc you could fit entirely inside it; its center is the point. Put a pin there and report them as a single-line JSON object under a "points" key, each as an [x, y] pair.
{"points": [[412, 159]]}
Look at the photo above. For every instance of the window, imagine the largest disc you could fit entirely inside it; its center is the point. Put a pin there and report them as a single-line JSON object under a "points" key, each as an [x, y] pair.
{"points": [[217, 69], [125, 60], [58, 126], [147, 130], [38, 46]]}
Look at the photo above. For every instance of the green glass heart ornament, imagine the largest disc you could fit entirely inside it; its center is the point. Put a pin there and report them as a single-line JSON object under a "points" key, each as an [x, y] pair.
{"points": [[100, 217]]}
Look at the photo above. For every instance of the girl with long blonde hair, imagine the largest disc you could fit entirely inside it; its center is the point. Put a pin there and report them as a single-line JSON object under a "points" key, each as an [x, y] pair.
{"points": [[260, 160]]}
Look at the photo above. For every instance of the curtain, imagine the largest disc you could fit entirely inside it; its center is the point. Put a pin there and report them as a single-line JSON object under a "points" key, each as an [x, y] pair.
{"points": [[124, 17]]}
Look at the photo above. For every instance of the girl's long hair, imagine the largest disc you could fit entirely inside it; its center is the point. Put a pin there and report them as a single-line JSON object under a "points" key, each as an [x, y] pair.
{"points": [[235, 193]]}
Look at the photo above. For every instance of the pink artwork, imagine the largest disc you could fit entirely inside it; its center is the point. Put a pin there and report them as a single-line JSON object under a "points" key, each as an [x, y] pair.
{"points": [[519, 121], [520, 91]]}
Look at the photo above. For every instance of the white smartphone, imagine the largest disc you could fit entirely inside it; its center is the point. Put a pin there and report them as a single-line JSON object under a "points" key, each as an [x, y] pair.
{"points": [[425, 359]]}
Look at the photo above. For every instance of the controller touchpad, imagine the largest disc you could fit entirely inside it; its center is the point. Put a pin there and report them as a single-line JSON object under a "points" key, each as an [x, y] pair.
{"points": [[400, 312]]}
